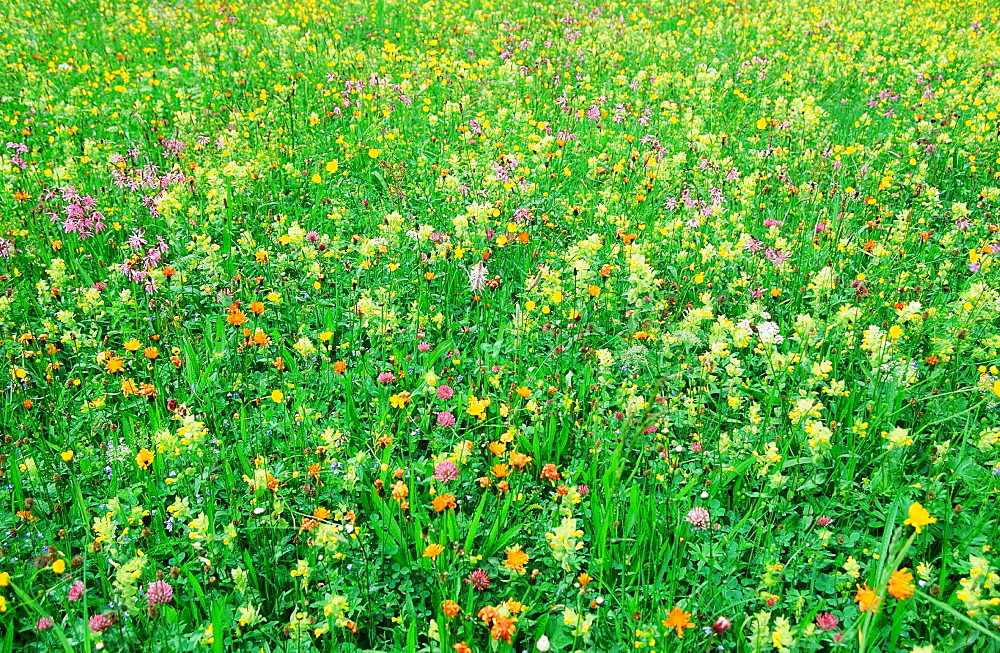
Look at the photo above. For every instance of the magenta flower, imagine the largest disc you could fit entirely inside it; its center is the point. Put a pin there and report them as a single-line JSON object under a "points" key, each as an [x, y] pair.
{"points": [[479, 579], [159, 592], [826, 621], [76, 591], [699, 518], [445, 471], [44, 624], [446, 419], [100, 622], [445, 392]]}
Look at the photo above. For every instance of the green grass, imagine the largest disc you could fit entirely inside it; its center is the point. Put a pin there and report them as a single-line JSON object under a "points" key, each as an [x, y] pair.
{"points": [[737, 313]]}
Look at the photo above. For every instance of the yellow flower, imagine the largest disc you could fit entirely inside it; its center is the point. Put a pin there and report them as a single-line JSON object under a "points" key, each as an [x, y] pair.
{"points": [[374, 153], [400, 400], [277, 396], [919, 517], [331, 166], [67, 455], [59, 566], [144, 458], [3, 604], [996, 387], [4, 579], [895, 332]]}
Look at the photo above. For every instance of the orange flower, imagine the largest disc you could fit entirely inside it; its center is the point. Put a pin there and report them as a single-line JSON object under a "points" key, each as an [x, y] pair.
{"points": [[461, 648], [321, 513], [678, 619], [433, 551], [550, 473], [237, 318], [151, 353], [400, 490], [340, 367], [524, 392], [487, 614], [900, 584], [519, 460], [501, 471], [114, 364], [147, 390], [866, 599], [443, 502], [498, 448], [516, 559], [503, 628], [450, 608], [129, 388], [584, 579], [257, 308]]}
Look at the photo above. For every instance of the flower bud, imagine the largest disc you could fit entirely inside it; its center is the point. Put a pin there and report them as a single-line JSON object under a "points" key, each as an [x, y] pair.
{"points": [[721, 625]]}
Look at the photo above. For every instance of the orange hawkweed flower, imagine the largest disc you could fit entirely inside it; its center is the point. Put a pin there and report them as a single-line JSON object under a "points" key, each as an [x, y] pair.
{"points": [[443, 502], [450, 609], [866, 599], [519, 460], [550, 473], [151, 353], [679, 620], [900, 586], [340, 367], [516, 558], [503, 628], [432, 551], [237, 318]]}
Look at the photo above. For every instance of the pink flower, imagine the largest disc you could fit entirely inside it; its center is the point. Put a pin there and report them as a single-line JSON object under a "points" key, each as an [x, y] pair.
{"points": [[76, 591], [445, 471], [699, 518], [824, 521], [386, 377], [721, 625], [159, 592], [479, 579], [826, 621], [424, 346], [43, 624], [446, 419], [696, 447], [445, 392], [771, 222], [100, 622]]}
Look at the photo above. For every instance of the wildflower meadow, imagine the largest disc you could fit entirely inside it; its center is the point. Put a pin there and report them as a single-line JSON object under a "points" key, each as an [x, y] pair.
{"points": [[500, 325]]}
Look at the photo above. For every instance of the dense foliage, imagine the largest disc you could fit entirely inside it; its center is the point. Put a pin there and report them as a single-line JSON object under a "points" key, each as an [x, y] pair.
{"points": [[500, 326]]}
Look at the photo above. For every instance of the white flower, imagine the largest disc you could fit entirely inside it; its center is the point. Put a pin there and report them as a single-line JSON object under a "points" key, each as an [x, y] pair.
{"points": [[769, 332], [477, 277]]}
